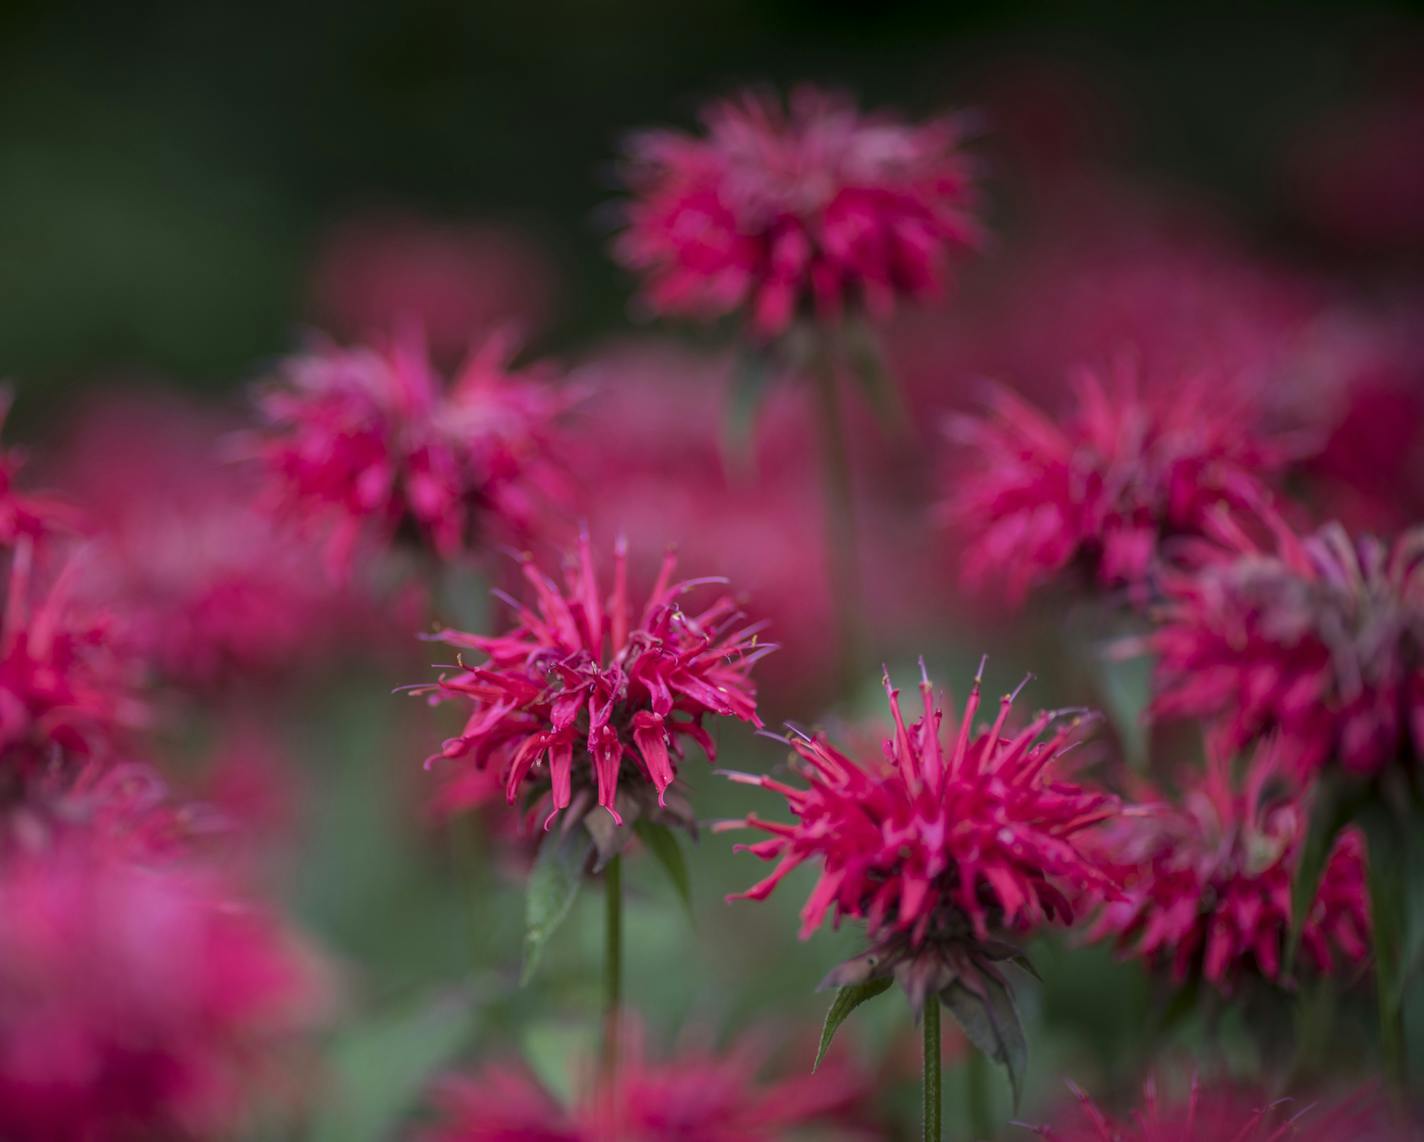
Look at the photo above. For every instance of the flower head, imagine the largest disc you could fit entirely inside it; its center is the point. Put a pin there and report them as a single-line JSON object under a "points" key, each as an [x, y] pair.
{"points": [[1320, 640], [584, 681], [1134, 464], [136, 1002], [373, 441], [1206, 884], [817, 208], [936, 846], [701, 1095]]}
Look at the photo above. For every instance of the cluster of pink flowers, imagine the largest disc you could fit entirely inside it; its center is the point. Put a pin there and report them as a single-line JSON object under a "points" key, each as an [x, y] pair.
{"points": [[1205, 885], [371, 442], [584, 680], [699, 1095], [936, 846], [817, 208], [1319, 639], [136, 1002], [1136, 463]]}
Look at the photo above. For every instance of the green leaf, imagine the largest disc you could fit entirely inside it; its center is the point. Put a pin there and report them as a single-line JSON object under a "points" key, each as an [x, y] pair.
{"points": [[1331, 813], [553, 886], [991, 1022], [382, 1067], [1387, 865], [1126, 688], [846, 1001], [662, 843]]}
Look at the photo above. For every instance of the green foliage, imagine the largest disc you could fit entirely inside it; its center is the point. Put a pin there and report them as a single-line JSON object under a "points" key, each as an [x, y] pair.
{"points": [[846, 1001], [990, 1019], [554, 883]]}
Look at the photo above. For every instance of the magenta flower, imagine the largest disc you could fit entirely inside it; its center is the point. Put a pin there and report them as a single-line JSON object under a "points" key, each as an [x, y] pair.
{"points": [[371, 442], [1134, 464], [583, 681], [1223, 1112], [938, 849], [25, 515], [66, 694], [136, 1002], [700, 1095], [1206, 884], [1320, 640], [816, 209]]}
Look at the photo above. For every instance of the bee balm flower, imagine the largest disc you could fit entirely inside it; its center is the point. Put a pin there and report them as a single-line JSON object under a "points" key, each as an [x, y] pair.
{"points": [[583, 681], [818, 208], [938, 848]]}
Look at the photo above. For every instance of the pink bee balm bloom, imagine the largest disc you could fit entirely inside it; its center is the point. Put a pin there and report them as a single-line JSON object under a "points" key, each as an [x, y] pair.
{"points": [[135, 1002], [373, 441], [1205, 886], [66, 695], [583, 681], [1320, 640], [698, 1096], [1133, 464], [936, 846], [817, 208], [1220, 1113]]}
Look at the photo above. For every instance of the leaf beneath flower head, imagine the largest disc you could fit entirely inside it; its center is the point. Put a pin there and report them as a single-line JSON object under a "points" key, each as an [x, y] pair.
{"points": [[846, 1001], [553, 886], [1331, 812], [662, 843], [991, 1022]]}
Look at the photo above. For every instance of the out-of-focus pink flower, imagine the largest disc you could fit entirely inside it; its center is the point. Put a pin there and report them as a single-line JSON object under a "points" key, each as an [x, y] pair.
{"points": [[66, 694], [1320, 640], [137, 1002], [1136, 463], [1206, 884], [1221, 1111], [700, 1095], [209, 592], [368, 442], [815, 209], [936, 848], [583, 680], [453, 281], [26, 515]]}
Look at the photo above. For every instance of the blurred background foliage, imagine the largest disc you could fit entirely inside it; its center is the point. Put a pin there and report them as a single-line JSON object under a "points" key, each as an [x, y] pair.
{"points": [[170, 171]]}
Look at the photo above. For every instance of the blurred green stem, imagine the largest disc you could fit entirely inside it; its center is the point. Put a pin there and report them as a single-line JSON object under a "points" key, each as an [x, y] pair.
{"points": [[932, 1082], [841, 550], [612, 962], [976, 1078]]}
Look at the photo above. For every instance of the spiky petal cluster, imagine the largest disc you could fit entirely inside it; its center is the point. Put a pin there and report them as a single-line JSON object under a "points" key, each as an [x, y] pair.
{"points": [[584, 681], [372, 441], [929, 840], [136, 1002], [1206, 884], [1133, 464], [816, 208], [700, 1095], [66, 695], [1320, 640], [1219, 1113]]}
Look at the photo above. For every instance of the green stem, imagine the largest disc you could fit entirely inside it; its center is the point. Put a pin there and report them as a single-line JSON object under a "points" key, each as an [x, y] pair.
{"points": [[842, 550], [976, 1077], [612, 962], [932, 1082]]}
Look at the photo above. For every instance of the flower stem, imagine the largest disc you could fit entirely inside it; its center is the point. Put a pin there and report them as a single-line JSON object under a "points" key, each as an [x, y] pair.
{"points": [[841, 548], [932, 1082], [976, 1078], [612, 963]]}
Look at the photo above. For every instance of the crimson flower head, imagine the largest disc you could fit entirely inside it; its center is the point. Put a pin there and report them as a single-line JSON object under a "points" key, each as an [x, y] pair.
{"points": [[66, 694], [937, 847], [700, 1095], [1219, 1112], [812, 209], [584, 681], [138, 1002], [1319, 639], [1205, 885], [371, 441], [1133, 464]]}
